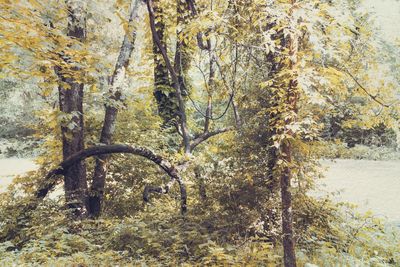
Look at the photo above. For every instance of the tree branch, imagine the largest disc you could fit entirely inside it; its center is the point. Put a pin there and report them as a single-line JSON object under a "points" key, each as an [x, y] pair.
{"points": [[365, 90], [50, 181], [205, 136], [211, 83], [361, 86], [208, 114]]}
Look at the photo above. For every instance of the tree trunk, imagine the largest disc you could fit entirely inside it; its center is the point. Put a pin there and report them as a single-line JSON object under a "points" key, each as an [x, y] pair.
{"points": [[276, 67], [287, 214], [163, 91], [182, 54], [292, 96], [201, 183], [71, 103], [116, 81], [184, 131]]}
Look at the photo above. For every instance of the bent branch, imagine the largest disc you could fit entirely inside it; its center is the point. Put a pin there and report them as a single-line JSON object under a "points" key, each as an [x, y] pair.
{"points": [[206, 135], [50, 181]]}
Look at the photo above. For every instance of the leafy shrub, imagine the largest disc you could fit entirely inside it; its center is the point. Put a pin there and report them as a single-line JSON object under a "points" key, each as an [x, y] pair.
{"points": [[340, 150]]}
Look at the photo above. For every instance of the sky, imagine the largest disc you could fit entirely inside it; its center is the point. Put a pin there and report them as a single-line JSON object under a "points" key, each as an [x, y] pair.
{"points": [[387, 14]]}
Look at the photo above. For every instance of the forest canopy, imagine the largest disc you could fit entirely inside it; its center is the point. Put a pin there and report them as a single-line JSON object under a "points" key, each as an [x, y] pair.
{"points": [[189, 132]]}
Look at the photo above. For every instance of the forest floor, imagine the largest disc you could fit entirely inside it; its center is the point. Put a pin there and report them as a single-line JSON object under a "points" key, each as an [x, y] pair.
{"points": [[372, 185]]}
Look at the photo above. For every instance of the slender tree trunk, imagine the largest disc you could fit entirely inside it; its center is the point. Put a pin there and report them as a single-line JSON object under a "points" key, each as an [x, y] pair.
{"points": [[71, 103], [286, 175], [276, 67], [201, 183], [177, 73], [181, 66], [110, 118], [287, 214]]}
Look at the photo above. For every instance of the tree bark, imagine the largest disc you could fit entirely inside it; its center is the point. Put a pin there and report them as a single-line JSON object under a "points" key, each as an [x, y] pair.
{"points": [[287, 214], [207, 135], [72, 131], [111, 112]]}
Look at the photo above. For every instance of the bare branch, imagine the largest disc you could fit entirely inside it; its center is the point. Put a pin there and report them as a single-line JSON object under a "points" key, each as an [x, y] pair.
{"points": [[365, 90], [208, 113], [205, 136], [211, 83]]}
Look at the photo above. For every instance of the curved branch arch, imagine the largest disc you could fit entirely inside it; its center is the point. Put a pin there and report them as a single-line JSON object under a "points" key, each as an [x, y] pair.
{"points": [[50, 181]]}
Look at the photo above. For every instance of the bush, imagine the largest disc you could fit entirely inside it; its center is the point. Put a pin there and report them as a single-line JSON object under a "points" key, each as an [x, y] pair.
{"points": [[341, 151]]}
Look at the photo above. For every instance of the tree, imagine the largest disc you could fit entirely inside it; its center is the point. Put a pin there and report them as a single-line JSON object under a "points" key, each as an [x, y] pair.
{"points": [[225, 99], [110, 117], [163, 91], [177, 72], [71, 104], [291, 99]]}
